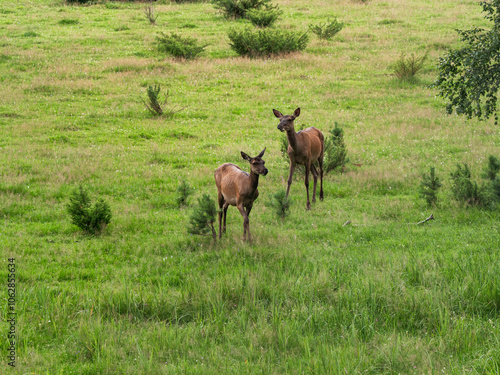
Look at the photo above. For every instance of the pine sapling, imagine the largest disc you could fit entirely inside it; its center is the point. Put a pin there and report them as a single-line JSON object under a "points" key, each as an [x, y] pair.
{"points": [[490, 173], [202, 219], [183, 193], [335, 150], [429, 187], [492, 169], [467, 191], [91, 219], [156, 106], [280, 203]]}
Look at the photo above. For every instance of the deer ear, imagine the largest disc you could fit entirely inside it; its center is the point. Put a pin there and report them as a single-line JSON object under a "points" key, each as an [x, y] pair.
{"points": [[277, 113], [245, 156], [262, 153], [296, 113]]}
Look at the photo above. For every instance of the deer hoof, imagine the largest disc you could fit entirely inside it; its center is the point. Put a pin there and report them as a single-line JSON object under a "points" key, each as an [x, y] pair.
{"points": [[308, 206]]}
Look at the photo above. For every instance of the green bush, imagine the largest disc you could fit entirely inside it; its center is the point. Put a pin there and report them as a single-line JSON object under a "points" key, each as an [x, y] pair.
{"points": [[183, 193], [280, 203], [92, 219], [266, 42], [335, 150], [153, 104], [429, 187], [158, 106], [407, 67], [80, 1], [492, 168], [202, 219], [468, 192], [151, 14], [179, 46], [239, 8], [327, 30], [263, 17], [490, 173]]}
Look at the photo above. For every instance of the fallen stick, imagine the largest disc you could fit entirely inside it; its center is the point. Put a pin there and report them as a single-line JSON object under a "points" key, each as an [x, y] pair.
{"points": [[426, 220]]}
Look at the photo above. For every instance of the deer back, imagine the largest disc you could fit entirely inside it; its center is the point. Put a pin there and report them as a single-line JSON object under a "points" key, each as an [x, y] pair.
{"points": [[310, 143], [234, 184]]}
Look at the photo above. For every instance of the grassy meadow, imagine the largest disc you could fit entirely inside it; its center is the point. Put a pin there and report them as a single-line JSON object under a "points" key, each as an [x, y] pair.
{"points": [[308, 295]]}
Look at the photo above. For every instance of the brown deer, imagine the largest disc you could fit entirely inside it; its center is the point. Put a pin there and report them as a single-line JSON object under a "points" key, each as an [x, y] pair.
{"points": [[304, 147], [238, 188]]}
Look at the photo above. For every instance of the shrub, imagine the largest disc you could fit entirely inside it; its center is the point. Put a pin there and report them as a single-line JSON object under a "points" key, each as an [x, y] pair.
{"points": [[280, 203], [327, 30], [468, 192], [179, 46], [266, 42], [92, 219], [183, 193], [151, 14], [491, 174], [335, 150], [239, 8], [429, 187], [407, 67], [154, 105], [284, 146], [202, 219], [492, 169], [80, 1], [263, 17]]}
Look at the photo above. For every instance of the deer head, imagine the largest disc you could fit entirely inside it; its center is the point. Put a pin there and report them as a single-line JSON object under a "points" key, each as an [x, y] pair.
{"points": [[256, 163], [286, 122]]}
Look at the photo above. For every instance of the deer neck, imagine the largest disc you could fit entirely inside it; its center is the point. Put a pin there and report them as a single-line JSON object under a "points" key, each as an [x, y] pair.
{"points": [[254, 181], [292, 138]]}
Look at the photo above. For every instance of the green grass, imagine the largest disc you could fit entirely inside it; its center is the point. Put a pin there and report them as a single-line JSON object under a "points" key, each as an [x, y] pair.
{"points": [[308, 295]]}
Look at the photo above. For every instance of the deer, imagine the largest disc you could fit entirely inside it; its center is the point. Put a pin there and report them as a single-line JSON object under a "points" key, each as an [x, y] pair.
{"points": [[304, 147], [238, 188]]}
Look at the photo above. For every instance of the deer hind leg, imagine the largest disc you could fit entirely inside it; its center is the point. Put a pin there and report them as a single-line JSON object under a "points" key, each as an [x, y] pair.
{"points": [[308, 167], [315, 176], [320, 162], [290, 176]]}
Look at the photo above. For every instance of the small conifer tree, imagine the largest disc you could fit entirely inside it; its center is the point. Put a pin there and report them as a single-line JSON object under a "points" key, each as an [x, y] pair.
{"points": [[491, 174], [183, 193], [492, 169], [202, 219], [157, 106], [280, 203], [327, 30], [335, 150], [92, 219], [467, 191], [406, 68], [429, 187]]}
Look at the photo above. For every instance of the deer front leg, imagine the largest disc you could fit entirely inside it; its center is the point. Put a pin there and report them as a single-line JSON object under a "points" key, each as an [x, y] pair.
{"points": [[290, 176], [246, 222], [308, 204], [226, 205], [221, 205]]}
